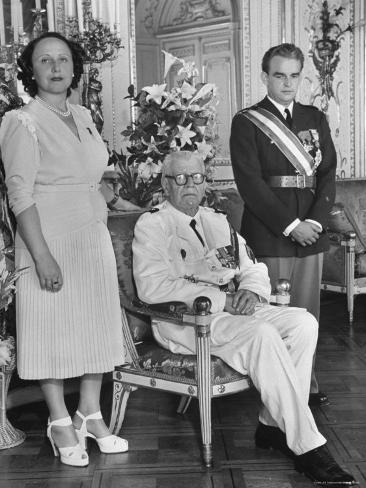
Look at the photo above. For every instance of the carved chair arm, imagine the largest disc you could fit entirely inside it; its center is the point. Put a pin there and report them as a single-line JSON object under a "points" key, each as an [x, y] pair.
{"points": [[348, 239], [179, 312], [176, 312]]}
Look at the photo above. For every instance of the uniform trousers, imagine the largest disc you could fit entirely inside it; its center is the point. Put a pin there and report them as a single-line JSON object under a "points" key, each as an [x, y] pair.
{"points": [[275, 347], [304, 275]]}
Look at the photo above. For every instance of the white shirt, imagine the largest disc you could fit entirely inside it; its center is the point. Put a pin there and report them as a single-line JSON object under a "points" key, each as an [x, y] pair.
{"points": [[282, 108]]}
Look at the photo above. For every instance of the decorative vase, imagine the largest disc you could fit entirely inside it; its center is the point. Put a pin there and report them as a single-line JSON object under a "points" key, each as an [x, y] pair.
{"points": [[9, 435]]}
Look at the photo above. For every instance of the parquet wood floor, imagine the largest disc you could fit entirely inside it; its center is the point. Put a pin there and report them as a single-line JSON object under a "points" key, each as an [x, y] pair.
{"points": [[165, 447]]}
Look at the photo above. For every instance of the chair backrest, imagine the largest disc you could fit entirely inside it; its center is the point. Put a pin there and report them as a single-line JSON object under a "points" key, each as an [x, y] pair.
{"points": [[233, 205], [121, 227], [352, 194]]}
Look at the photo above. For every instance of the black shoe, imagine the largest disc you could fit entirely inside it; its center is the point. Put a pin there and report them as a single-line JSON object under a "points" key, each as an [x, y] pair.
{"points": [[267, 437], [320, 466], [319, 399]]}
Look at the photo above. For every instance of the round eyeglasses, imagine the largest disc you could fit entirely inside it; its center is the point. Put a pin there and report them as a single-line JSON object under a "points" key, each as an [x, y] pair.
{"points": [[182, 178]]}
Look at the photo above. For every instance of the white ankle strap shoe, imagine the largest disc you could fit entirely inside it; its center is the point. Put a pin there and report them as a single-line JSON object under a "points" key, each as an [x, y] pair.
{"points": [[72, 456], [110, 444]]}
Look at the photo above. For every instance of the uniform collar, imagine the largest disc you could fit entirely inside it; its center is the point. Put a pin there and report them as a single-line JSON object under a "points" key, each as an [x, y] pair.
{"points": [[281, 108], [181, 216], [183, 230]]}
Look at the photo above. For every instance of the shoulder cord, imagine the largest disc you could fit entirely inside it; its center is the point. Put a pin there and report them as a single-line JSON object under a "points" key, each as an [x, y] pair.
{"points": [[234, 243]]}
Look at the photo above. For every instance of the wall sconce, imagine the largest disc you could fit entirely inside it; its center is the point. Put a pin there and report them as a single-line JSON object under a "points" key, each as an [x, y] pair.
{"points": [[37, 21], [326, 36], [100, 44]]}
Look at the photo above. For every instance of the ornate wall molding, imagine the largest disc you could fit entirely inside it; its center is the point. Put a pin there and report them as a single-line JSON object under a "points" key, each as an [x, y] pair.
{"points": [[333, 92], [198, 10], [261, 22], [60, 15], [359, 90], [222, 174], [245, 44]]}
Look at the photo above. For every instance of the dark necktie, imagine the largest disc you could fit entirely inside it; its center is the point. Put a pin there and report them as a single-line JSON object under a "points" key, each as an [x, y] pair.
{"points": [[193, 224], [288, 117]]}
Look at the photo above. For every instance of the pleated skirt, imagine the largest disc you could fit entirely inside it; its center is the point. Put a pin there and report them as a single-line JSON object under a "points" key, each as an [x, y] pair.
{"points": [[78, 329]]}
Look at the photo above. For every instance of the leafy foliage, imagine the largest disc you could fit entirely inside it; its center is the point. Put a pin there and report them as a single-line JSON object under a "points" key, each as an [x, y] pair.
{"points": [[182, 118]]}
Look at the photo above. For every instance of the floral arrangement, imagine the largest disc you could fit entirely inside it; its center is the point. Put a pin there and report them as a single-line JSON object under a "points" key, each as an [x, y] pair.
{"points": [[7, 347], [7, 284], [8, 276], [182, 118], [7, 291]]}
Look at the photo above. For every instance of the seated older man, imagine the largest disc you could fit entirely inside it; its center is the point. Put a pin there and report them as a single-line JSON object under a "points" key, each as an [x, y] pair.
{"points": [[181, 251]]}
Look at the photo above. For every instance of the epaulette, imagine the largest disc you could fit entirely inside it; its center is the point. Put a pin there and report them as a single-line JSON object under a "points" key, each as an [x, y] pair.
{"points": [[154, 209], [243, 110], [313, 107]]}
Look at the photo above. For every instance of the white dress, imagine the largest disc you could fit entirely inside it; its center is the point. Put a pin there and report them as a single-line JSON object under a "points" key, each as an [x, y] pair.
{"points": [[78, 329]]}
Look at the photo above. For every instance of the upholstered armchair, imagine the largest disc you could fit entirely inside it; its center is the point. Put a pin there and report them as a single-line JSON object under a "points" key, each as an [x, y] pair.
{"points": [[148, 365], [344, 269]]}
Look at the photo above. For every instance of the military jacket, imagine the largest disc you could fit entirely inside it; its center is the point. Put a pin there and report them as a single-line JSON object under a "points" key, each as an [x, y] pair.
{"points": [[268, 211], [171, 264]]}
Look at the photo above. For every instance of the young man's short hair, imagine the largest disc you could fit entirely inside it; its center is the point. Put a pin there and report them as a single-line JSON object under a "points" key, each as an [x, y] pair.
{"points": [[286, 51]]}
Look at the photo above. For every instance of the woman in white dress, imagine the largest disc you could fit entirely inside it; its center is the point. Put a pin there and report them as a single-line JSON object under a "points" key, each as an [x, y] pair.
{"points": [[68, 310]]}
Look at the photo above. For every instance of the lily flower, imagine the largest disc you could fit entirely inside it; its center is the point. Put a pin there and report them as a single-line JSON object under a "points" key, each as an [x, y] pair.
{"points": [[185, 134], [162, 128], [187, 90], [155, 92], [188, 69], [172, 97], [152, 146], [204, 149], [148, 169], [204, 91]]}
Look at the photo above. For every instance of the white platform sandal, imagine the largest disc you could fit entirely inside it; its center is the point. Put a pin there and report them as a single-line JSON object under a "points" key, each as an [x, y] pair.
{"points": [[72, 456], [110, 444]]}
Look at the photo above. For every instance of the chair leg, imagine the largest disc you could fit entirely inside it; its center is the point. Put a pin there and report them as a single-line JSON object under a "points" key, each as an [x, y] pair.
{"points": [[204, 393], [350, 305], [184, 403], [121, 393], [350, 275]]}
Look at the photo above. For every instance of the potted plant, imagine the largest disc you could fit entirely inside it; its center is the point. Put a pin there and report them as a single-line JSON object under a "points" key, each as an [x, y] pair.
{"points": [[180, 118], [9, 436]]}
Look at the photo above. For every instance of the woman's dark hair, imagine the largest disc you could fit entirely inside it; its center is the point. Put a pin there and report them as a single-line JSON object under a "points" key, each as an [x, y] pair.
{"points": [[25, 73], [285, 50]]}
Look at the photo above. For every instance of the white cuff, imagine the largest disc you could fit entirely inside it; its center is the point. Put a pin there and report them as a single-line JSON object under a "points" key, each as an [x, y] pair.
{"points": [[291, 227], [316, 223]]}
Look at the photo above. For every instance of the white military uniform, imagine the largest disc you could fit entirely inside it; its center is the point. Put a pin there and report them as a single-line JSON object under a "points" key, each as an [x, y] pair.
{"points": [[275, 345]]}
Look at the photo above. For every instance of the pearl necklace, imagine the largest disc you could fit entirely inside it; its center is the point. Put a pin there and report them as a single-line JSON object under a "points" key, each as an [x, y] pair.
{"points": [[54, 109]]}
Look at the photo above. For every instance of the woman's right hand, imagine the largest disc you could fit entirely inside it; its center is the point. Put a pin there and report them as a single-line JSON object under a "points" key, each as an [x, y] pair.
{"points": [[49, 273]]}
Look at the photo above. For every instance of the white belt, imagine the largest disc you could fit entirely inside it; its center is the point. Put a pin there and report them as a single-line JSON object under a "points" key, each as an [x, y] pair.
{"points": [[77, 187]]}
